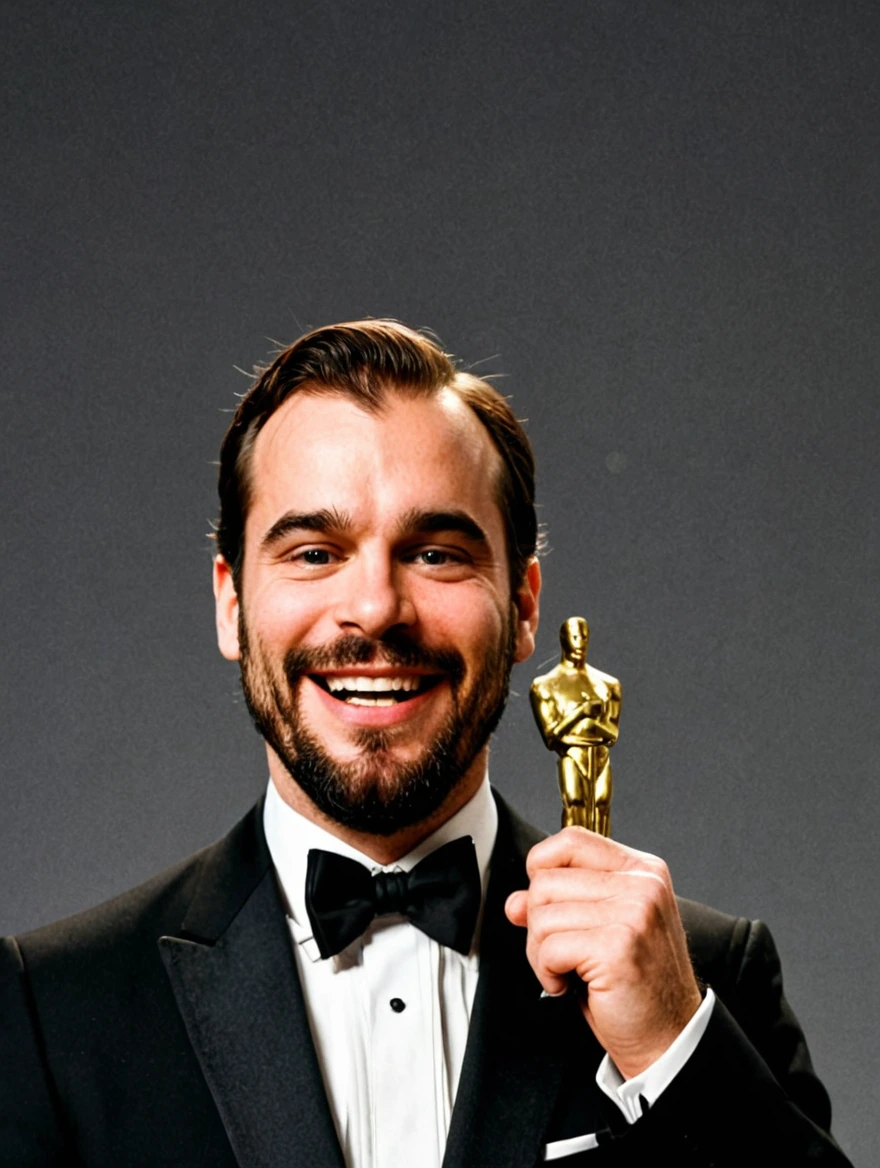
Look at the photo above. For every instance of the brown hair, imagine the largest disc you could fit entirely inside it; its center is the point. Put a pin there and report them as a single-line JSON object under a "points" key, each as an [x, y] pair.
{"points": [[363, 360]]}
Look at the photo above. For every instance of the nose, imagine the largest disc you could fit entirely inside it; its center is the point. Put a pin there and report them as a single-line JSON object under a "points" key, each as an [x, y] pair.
{"points": [[373, 595]]}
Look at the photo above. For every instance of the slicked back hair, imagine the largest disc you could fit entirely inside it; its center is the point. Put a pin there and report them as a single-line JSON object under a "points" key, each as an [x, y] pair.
{"points": [[365, 361]]}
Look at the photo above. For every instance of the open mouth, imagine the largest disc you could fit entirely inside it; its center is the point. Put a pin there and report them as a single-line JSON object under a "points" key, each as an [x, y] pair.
{"points": [[375, 691]]}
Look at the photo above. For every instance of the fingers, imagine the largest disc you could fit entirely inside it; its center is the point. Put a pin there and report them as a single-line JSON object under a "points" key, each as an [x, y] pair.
{"points": [[579, 847], [577, 865], [598, 939], [590, 954], [552, 885], [517, 912], [638, 917], [610, 944], [603, 917], [598, 909], [576, 847]]}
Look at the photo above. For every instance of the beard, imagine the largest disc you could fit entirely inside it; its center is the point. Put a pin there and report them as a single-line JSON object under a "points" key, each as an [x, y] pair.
{"points": [[376, 793]]}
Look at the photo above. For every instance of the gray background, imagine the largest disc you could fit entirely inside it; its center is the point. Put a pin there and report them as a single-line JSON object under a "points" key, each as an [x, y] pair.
{"points": [[659, 220]]}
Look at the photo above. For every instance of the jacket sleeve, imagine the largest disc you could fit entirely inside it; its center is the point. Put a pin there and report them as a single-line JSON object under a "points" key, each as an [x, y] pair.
{"points": [[30, 1130], [748, 1094]]}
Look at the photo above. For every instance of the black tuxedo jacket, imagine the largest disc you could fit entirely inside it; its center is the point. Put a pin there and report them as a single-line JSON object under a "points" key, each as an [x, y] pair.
{"points": [[167, 1027]]}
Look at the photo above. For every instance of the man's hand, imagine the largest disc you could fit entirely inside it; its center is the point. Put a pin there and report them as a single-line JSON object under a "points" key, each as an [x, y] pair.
{"points": [[607, 913]]}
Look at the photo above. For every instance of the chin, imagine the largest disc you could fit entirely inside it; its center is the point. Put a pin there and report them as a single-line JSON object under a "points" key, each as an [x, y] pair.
{"points": [[377, 793]]}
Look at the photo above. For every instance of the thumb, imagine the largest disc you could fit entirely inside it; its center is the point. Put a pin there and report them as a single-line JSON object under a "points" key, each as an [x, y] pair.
{"points": [[517, 908]]}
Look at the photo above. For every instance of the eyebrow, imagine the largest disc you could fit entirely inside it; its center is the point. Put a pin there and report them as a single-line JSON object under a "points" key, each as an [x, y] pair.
{"points": [[411, 523], [434, 522], [321, 522]]}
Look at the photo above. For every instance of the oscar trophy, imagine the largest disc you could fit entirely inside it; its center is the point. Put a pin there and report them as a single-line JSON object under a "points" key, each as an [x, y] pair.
{"points": [[577, 709]]}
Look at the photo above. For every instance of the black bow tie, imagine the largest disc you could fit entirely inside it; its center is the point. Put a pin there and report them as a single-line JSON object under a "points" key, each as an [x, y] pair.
{"points": [[441, 896]]}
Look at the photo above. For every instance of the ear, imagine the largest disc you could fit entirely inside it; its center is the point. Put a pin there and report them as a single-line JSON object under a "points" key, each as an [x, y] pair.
{"points": [[226, 610], [525, 603]]}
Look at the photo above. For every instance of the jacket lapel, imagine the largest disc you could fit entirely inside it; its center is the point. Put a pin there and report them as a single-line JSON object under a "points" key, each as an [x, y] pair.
{"points": [[522, 1049], [233, 974]]}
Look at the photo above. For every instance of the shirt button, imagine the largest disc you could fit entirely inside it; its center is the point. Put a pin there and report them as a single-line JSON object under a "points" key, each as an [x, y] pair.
{"points": [[397, 1005]]}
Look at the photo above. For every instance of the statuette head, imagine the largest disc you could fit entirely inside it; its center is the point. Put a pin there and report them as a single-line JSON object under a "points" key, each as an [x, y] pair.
{"points": [[574, 637]]}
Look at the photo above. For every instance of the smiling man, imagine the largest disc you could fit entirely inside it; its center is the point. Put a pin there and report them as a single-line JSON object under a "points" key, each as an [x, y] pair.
{"points": [[381, 964], [373, 613]]}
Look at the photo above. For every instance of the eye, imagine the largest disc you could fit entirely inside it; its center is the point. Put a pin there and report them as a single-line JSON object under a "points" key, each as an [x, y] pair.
{"points": [[312, 557], [441, 560], [436, 558]]}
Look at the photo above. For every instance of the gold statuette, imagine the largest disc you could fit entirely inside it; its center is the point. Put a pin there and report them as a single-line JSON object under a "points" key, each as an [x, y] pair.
{"points": [[577, 709]]}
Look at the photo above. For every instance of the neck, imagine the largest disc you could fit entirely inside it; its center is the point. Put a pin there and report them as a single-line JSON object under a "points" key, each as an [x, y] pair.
{"points": [[383, 849]]}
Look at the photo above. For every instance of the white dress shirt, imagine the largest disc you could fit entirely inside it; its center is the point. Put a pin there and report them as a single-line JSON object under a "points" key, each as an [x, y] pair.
{"points": [[389, 1015]]}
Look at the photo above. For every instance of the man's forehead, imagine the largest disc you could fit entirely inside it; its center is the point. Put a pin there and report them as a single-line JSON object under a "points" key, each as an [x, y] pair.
{"points": [[319, 431]]}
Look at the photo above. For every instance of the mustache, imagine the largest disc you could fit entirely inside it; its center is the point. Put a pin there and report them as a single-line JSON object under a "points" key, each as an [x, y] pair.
{"points": [[394, 649]]}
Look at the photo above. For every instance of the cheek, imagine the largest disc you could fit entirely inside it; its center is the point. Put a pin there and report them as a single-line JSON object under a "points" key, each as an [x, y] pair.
{"points": [[283, 614], [468, 620]]}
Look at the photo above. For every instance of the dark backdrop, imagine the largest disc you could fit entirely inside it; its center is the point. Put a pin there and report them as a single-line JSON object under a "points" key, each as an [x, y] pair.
{"points": [[659, 220]]}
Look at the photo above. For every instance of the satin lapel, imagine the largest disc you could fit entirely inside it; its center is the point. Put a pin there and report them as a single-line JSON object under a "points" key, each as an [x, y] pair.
{"points": [[520, 1046], [234, 977]]}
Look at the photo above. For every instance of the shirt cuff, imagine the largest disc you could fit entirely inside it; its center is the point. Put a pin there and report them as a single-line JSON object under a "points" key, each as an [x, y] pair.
{"points": [[629, 1094]]}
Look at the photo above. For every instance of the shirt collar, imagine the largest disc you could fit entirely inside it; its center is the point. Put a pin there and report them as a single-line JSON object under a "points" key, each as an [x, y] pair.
{"points": [[290, 836]]}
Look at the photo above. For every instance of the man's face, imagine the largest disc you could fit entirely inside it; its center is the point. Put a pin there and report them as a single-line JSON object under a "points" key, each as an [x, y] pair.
{"points": [[375, 628]]}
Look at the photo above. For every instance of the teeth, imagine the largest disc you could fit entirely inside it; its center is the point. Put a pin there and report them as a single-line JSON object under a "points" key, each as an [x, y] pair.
{"points": [[370, 702], [372, 684]]}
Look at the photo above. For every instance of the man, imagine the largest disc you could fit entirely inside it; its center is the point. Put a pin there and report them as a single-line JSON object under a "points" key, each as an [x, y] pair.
{"points": [[382, 964]]}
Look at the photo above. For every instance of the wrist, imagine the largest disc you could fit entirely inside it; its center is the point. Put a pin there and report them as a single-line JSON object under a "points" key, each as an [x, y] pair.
{"points": [[642, 1091], [634, 1059]]}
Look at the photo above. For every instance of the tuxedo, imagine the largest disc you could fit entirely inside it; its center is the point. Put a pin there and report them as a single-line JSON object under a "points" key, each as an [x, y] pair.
{"points": [[168, 1027]]}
